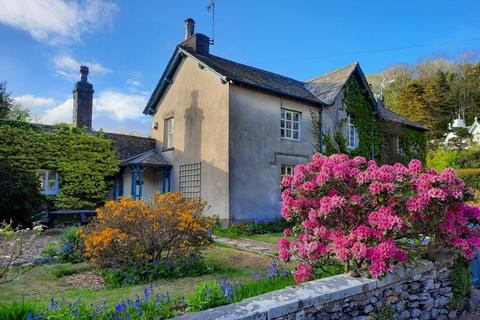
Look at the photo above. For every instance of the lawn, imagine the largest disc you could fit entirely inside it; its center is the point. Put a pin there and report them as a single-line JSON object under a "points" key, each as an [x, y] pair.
{"points": [[41, 283]]}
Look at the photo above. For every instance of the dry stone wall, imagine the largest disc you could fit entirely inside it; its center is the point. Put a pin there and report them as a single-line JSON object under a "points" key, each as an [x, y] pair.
{"points": [[416, 291]]}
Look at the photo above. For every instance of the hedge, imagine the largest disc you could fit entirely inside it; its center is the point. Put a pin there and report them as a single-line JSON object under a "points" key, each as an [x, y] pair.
{"points": [[84, 162], [470, 176]]}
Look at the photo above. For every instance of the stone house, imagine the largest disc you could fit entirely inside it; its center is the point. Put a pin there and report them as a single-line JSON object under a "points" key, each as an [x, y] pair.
{"points": [[230, 131]]}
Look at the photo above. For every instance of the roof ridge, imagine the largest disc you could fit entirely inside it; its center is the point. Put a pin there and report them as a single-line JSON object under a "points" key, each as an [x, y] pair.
{"points": [[249, 66], [356, 63]]}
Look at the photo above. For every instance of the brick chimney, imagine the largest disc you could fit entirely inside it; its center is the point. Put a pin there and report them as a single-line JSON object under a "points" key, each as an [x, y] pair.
{"points": [[195, 42], [83, 101]]}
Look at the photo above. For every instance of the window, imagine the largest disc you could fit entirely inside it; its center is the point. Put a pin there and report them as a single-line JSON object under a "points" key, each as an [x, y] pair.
{"points": [[168, 139], [399, 146], [352, 135], [48, 181], [287, 170], [190, 179], [290, 125]]}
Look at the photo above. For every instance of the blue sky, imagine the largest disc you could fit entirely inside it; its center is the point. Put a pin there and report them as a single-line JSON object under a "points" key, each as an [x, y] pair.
{"points": [[128, 43]]}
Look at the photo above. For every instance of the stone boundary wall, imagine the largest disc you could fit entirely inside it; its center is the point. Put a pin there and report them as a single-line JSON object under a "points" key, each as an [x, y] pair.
{"points": [[418, 290]]}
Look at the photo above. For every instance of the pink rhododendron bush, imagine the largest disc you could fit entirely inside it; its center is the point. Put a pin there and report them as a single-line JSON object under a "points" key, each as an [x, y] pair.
{"points": [[371, 216]]}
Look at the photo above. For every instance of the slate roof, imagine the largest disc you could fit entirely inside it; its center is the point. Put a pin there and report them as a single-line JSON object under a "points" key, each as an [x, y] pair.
{"points": [[321, 91], [257, 78], [150, 158], [328, 86], [389, 115], [126, 146]]}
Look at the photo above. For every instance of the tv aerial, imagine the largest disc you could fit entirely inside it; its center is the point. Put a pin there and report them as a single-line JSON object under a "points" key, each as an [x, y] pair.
{"points": [[211, 8]]}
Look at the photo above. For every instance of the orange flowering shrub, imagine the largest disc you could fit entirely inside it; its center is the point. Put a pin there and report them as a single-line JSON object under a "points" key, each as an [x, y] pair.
{"points": [[133, 233]]}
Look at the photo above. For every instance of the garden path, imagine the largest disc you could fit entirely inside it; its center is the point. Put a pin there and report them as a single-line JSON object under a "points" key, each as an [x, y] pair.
{"points": [[249, 245]]}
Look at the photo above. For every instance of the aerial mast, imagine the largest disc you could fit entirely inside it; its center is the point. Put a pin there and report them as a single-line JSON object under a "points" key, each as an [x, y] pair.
{"points": [[211, 8]]}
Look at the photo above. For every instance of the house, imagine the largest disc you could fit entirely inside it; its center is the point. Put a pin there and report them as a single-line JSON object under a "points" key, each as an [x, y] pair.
{"points": [[458, 129], [230, 131]]}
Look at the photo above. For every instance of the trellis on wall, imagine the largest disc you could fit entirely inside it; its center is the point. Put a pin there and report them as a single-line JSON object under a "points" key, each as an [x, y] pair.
{"points": [[190, 179]]}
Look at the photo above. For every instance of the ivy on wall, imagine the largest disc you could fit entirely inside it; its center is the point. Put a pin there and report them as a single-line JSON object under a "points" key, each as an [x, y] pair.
{"points": [[371, 132], [414, 145], [84, 162]]}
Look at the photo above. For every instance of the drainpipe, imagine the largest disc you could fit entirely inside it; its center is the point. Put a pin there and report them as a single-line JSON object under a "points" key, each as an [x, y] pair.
{"points": [[320, 131]]}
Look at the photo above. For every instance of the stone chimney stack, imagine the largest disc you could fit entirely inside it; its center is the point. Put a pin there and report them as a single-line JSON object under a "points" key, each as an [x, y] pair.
{"points": [[189, 28], [83, 101], [195, 42]]}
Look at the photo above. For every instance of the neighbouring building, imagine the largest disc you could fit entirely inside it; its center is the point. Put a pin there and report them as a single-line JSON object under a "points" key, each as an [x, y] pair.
{"points": [[230, 131], [458, 129]]}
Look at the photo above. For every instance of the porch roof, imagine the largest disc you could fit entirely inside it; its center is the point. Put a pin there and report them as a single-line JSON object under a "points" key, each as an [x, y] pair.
{"points": [[150, 158]]}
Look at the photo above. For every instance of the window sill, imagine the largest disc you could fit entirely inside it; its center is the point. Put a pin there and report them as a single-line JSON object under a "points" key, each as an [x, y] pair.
{"points": [[290, 139], [167, 149]]}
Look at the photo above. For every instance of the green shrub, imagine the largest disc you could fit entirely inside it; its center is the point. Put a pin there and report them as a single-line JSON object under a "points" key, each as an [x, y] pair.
{"points": [[471, 177], [16, 310], [205, 296], [20, 200], [441, 159], [248, 229], [71, 246], [461, 279], [50, 250]]}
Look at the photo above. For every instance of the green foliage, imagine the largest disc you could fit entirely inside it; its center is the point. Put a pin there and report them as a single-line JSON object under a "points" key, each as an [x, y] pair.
{"points": [[457, 159], [205, 296], [414, 145], [359, 107], [84, 162], [192, 267], [248, 229], [386, 313], [50, 250], [71, 246], [20, 199], [461, 279], [16, 310], [257, 287], [471, 177]]}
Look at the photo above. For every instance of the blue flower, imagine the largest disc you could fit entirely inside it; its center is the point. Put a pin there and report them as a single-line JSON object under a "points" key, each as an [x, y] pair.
{"points": [[30, 315]]}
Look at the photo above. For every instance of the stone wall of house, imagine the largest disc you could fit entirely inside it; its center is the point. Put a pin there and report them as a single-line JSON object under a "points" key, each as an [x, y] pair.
{"points": [[416, 291]]}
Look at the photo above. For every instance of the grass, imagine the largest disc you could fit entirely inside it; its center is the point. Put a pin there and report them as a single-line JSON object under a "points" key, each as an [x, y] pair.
{"points": [[41, 283], [65, 269]]}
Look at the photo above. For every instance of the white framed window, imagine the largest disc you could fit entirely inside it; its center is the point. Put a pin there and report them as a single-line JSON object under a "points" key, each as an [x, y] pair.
{"points": [[48, 181], [352, 135], [169, 128], [287, 170], [290, 127], [399, 146]]}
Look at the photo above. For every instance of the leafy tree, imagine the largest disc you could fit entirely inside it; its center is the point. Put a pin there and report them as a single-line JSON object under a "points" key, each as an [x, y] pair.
{"points": [[9, 109], [20, 199]]}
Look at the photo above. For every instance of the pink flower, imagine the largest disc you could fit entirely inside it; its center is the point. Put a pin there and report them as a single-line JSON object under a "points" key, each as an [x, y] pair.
{"points": [[286, 213], [375, 188], [283, 243], [415, 166], [284, 255], [287, 232], [286, 181], [303, 273], [359, 250]]}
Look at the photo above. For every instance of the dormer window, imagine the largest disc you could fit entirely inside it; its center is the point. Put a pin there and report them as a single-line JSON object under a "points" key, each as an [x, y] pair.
{"points": [[352, 134], [48, 181]]}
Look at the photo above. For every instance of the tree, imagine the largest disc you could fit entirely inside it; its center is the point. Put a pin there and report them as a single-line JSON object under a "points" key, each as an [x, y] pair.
{"points": [[9, 109]]}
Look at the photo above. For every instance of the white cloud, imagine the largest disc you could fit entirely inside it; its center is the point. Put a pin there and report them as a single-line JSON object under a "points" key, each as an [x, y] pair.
{"points": [[69, 67], [121, 106], [57, 21], [30, 101], [114, 105], [61, 113]]}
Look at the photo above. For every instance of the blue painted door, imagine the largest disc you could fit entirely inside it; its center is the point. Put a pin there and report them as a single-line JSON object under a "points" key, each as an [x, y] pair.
{"points": [[475, 267]]}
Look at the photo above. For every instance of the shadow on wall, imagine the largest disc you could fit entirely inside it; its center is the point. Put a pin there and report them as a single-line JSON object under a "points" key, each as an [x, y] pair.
{"points": [[193, 129]]}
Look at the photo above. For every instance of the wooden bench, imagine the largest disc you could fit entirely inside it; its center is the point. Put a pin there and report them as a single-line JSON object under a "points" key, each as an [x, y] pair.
{"points": [[50, 216]]}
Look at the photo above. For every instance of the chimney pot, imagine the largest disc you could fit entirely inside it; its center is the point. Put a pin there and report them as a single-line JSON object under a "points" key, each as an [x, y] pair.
{"points": [[189, 28], [83, 73]]}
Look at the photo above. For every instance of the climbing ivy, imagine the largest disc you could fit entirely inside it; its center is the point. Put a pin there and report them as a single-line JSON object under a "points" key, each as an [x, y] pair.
{"points": [[359, 107], [414, 145], [84, 162], [461, 279]]}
